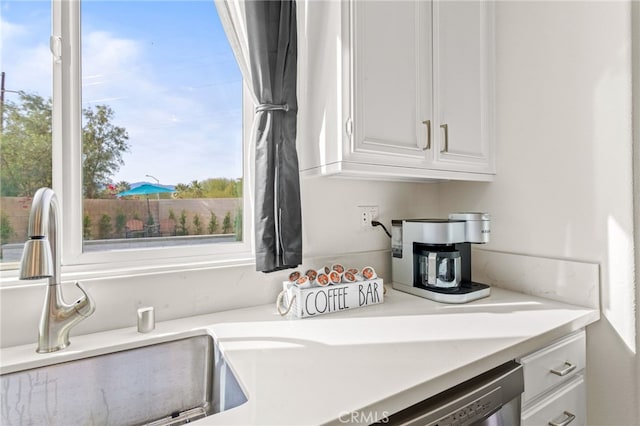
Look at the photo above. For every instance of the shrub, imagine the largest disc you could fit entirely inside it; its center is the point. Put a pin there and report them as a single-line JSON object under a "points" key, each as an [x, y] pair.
{"points": [[226, 223], [121, 223], [6, 230], [104, 227], [237, 225], [182, 228], [197, 225], [213, 223], [86, 227]]}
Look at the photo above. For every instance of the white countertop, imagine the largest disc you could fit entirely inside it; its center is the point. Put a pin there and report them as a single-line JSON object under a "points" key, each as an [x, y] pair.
{"points": [[374, 360]]}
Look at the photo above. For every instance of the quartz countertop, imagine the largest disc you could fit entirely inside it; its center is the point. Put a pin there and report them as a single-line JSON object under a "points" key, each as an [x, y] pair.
{"points": [[360, 364]]}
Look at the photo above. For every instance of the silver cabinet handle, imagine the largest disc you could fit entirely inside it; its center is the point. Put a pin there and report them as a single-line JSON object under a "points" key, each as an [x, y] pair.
{"points": [[568, 368], [567, 418], [428, 145], [445, 146]]}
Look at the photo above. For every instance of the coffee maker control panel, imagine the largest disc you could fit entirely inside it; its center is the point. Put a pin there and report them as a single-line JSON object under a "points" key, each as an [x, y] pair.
{"points": [[477, 226]]}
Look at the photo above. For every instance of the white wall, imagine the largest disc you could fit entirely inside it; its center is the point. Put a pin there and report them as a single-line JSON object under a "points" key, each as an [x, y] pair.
{"points": [[564, 182]]}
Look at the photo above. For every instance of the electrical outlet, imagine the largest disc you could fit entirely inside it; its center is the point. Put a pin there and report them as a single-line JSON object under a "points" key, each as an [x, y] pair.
{"points": [[368, 214]]}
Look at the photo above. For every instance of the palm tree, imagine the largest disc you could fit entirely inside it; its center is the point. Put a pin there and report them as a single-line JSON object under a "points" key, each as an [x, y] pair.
{"points": [[122, 186], [182, 191], [196, 189]]}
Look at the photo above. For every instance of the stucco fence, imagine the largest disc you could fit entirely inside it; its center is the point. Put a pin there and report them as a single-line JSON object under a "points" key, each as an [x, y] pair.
{"points": [[16, 210]]}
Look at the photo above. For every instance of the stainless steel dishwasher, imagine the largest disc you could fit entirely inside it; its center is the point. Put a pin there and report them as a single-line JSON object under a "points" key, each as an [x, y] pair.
{"points": [[490, 399]]}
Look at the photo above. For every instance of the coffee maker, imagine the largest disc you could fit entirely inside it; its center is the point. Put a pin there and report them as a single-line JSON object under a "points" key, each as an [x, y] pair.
{"points": [[431, 258]]}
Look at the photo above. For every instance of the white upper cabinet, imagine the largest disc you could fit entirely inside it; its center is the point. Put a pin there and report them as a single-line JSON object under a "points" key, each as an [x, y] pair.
{"points": [[463, 85], [392, 79], [409, 83]]}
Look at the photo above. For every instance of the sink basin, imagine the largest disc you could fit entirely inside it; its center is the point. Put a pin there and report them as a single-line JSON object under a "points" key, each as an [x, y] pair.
{"points": [[169, 383]]}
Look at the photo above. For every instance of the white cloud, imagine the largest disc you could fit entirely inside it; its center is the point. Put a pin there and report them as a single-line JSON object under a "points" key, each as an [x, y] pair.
{"points": [[10, 31], [175, 134], [27, 64], [111, 66]]}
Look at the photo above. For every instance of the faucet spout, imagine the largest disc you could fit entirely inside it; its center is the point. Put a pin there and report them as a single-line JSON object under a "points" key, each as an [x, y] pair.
{"points": [[41, 259]]}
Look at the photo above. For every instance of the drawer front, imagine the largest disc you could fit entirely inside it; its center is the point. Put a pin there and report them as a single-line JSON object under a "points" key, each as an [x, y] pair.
{"points": [[565, 406], [552, 365]]}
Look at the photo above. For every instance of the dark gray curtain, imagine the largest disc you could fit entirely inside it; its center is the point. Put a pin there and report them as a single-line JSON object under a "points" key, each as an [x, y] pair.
{"points": [[272, 42]]}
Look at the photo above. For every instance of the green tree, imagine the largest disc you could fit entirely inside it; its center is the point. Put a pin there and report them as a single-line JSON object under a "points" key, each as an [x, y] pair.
{"points": [[104, 227], [197, 225], [218, 188], [196, 190], [122, 186], [6, 230], [182, 229], [110, 190], [26, 146], [236, 191], [102, 146], [213, 223], [86, 227], [121, 223], [182, 191], [226, 223], [237, 224], [210, 188]]}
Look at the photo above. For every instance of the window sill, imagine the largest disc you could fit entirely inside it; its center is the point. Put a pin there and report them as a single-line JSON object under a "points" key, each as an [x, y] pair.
{"points": [[130, 269]]}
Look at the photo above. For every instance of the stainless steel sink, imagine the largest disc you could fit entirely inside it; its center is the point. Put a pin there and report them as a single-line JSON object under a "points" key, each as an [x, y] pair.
{"points": [[168, 383]]}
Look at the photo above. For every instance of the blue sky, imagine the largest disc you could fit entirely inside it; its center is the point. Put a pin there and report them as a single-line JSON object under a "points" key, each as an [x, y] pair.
{"points": [[164, 67]]}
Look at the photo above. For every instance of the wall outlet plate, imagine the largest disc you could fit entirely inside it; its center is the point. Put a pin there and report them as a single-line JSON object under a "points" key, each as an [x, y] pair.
{"points": [[368, 214]]}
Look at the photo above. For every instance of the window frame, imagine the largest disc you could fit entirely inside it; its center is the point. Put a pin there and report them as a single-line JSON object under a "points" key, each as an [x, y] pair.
{"points": [[67, 173]]}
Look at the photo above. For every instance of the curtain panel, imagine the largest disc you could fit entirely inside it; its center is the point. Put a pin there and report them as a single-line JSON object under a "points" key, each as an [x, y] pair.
{"points": [[263, 35]]}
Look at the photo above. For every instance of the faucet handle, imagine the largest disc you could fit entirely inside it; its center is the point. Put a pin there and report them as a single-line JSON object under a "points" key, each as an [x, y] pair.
{"points": [[85, 306]]}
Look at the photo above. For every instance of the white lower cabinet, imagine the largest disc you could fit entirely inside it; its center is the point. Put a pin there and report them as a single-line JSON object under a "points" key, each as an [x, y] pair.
{"points": [[563, 406], [554, 383]]}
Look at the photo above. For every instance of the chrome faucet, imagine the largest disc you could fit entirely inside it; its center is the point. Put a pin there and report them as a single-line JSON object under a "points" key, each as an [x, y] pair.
{"points": [[41, 259]]}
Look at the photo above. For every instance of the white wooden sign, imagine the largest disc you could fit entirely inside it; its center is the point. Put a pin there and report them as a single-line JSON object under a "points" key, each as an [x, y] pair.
{"points": [[310, 302]]}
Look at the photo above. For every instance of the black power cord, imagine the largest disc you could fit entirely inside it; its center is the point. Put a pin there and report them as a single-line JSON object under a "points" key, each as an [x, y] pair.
{"points": [[376, 223]]}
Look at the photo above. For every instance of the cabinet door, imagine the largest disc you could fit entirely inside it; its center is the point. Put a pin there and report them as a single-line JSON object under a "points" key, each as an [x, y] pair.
{"points": [[463, 85], [392, 81], [563, 406], [554, 364]]}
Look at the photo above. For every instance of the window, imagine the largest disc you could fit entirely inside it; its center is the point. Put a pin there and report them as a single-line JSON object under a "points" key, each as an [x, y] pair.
{"points": [[25, 122], [157, 113]]}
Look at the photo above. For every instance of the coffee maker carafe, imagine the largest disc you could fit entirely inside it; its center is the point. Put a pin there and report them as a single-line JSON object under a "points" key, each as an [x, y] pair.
{"points": [[436, 266], [431, 258]]}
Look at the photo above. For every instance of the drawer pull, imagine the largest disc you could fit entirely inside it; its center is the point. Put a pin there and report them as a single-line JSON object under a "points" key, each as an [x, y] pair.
{"points": [[568, 368], [428, 145], [445, 147], [567, 418]]}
